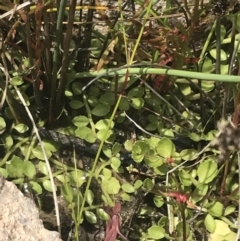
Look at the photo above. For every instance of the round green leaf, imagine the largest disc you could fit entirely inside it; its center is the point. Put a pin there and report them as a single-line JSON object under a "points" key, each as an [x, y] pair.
{"points": [[8, 141], [21, 128], [152, 160], [77, 88], [47, 185], [193, 173], [90, 197], [153, 142], [102, 214], [188, 154], [111, 186], [36, 187], [126, 197], [140, 148], [224, 69], [158, 201], [115, 163], [67, 192], [37, 152], [223, 55], [163, 221], [93, 101], [123, 105], [151, 127], [216, 209], [94, 91], [229, 209], [207, 85], [137, 103], [51, 146], [210, 135], [153, 119], [207, 65], [148, 184], [103, 124], [128, 145], [166, 132], [209, 223], [76, 104], [62, 178], [80, 121], [138, 184], [222, 232], [104, 134], [185, 178], [86, 134], [166, 148], [29, 169], [128, 188], [195, 137], [185, 89], [108, 98], [156, 232], [43, 168], [101, 110], [116, 148], [77, 178], [199, 193], [68, 93], [15, 167], [90, 137], [136, 92], [107, 173], [16, 80], [207, 171], [222, 228], [26, 63], [162, 170], [2, 125], [107, 151]]}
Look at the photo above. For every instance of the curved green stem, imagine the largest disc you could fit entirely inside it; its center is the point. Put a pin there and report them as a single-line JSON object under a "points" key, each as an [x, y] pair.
{"points": [[92, 173], [5, 159], [97, 172], [89, 113], [160, 71], [56, 55]]}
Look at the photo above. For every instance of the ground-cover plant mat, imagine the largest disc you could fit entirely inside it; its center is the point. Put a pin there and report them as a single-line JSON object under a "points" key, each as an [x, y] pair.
{"points": [[138, 119]]}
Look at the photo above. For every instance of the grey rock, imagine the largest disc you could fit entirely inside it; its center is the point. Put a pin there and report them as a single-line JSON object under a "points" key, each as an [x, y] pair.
{"points": [[19, 217]]}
